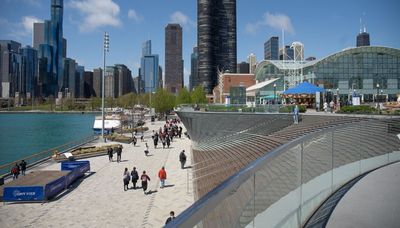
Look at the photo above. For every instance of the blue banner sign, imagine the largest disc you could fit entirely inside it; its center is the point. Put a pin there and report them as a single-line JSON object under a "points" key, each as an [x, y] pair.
{"points": [[23, 193], [55, 187]]}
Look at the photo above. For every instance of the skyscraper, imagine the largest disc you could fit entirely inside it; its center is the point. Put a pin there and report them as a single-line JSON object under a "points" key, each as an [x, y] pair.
{"points": [[38, 34], [88, 84], [69, 79], [271, 48], [363, 38], [286, 53], [124, 79], [111, 82], [173, 58], [149, 72], [55, 36], [194, 73], [216, 40], [252, 61], [97, 82], [243, 68], [10, 66], [29, 72]]}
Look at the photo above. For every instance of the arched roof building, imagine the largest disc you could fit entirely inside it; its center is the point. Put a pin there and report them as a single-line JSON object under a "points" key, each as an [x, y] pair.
{"points": [[367, 70]]}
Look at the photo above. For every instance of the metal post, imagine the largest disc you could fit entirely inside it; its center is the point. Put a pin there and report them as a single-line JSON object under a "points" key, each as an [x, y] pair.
{"points": [[377, 101], [274, 93], [105, 49]]}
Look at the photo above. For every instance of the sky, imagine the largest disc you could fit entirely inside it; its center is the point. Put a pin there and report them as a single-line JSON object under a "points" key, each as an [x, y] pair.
{"points": [[324, 27]]}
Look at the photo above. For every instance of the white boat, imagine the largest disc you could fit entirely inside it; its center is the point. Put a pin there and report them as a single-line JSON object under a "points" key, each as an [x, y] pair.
{"points": [[111, 123]]}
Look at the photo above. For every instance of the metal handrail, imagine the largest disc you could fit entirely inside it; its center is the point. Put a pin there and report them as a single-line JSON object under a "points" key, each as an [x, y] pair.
{"points": [[194, 214], [5, 168]]}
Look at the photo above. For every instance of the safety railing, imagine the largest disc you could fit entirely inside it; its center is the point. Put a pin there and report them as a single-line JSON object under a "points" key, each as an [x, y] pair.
{"points": [[43, 155], [284, 187]]}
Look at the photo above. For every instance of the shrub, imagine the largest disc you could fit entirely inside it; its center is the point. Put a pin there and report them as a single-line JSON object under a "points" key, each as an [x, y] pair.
{"points": [[289, 109], [361, 109]]}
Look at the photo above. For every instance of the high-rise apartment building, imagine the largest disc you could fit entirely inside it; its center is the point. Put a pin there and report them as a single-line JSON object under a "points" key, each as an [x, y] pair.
{"points": [[111, 82], [173, 58], [88, 84], [194, 73], [125, 83], [10, 67], [243, 68], [38, 34], [271, 48], [216, 40], [252, 61], [69, 82], [97, 82], [79, 81], [298, 51]]}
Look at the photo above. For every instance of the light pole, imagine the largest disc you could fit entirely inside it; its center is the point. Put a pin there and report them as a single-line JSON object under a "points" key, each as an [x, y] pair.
{"points": [[105, 49], [337, 99], [377, 93], [274, 93]]}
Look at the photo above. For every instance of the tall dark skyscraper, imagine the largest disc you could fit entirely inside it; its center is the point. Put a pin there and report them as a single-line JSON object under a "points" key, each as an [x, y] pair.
{"points": [[271, 48], [216, 40], [53, 37], [173, 58], [38, 34], [363, 39]]}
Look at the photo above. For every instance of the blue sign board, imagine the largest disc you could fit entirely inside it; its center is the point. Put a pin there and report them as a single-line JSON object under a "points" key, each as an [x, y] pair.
{"points": [[23, 193], [54, 187]]}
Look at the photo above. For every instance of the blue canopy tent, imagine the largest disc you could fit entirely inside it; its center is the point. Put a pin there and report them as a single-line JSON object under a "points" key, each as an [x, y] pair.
{"points": [[304, 88]]}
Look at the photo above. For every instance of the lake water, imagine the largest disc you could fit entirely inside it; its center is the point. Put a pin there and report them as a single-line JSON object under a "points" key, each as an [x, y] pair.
{"points": [[25, 134]]}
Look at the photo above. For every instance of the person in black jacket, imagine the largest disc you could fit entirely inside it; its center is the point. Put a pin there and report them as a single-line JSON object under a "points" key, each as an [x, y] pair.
{"points": [[22, 165], [182, 159], [170, 218], [135, 177]]}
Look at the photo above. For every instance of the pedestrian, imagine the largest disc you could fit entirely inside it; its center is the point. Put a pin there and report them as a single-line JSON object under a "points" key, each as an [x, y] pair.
{"points": [[110, 154], [331, 106], [170, 218], [326, 106], [126, 179], [168, 141], [182, 159], [142, 137], [146, 151], [119, 153], [144, 178], [135, 177], [15, 171], [155, 139], [296, 114], [22, 165], [180, 131], [134, 140], [162, 174]]}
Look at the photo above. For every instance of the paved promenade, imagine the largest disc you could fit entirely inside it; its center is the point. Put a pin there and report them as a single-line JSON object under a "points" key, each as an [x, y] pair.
{"points": [[100, 200]]}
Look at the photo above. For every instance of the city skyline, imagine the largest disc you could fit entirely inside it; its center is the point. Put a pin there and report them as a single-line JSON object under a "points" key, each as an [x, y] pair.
{"points": [[323, 28]]}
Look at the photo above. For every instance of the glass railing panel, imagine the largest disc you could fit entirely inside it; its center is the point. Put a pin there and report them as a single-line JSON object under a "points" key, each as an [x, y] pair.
{"points": [[316, 172], [278, 192], [346, 155]]}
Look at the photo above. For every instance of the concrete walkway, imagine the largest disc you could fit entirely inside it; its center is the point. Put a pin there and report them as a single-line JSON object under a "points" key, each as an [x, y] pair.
{"points": [[100, 200], [374, 201]]}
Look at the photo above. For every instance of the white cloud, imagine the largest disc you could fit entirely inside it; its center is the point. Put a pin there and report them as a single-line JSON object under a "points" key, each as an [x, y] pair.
{"points": [[132, 14], [277, 21], [97, 13], [182, 19], [27, 23]]}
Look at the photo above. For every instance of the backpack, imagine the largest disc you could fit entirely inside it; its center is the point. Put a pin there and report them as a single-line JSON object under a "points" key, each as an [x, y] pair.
{"points": [[14, 170]]}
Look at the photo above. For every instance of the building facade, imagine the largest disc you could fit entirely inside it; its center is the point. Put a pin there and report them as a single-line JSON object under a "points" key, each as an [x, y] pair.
{"points": [[363, 39], [252, 61], [286, 53], [194, 73], [97, 82], [10, 67], [173, 58], [243, 68], [29, 72], [298, 51], [366, 71], [271, 48], [79, 81], [125, 81], [38, 34], [216, 40], [227, 81], [88, 84], [149, 70], [69, 83], [111, 82]]}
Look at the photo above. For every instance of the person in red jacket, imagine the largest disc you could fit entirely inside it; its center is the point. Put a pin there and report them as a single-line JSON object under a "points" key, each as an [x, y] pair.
{"points": [[162, 174]]}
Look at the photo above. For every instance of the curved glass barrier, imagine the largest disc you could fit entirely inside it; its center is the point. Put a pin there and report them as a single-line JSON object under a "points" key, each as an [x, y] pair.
{"points": [[284, 187]]}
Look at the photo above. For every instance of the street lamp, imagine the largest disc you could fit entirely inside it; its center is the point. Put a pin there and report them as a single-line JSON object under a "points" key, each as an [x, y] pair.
{"points": [[377, 93], [274, 93], [105, 49]]}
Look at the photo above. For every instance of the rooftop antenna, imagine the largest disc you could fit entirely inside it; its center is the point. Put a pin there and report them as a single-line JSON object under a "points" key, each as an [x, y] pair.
{"points": [[360, 26]]}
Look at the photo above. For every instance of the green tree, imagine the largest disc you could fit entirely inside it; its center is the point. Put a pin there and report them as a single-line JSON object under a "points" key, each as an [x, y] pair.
{"points": [[162, 101], [110, 102], [127, 100], [95, 103], [198, 95], [183, 97]]}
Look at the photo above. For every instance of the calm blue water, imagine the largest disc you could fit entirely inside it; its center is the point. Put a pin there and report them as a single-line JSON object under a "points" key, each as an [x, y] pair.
{"points": [[25, 134]]}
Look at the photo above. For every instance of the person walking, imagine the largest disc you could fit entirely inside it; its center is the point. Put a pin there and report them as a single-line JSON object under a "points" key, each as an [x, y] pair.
{"points": [[135, 177], [162, 174], [126, 179], [296, 114], [15, 171], [134, 140], [326, 107], [182, 159], [110, 154], [168, 141], [170, 218], [22, 165], [119, 153], [144, 178], [331, 106]]}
